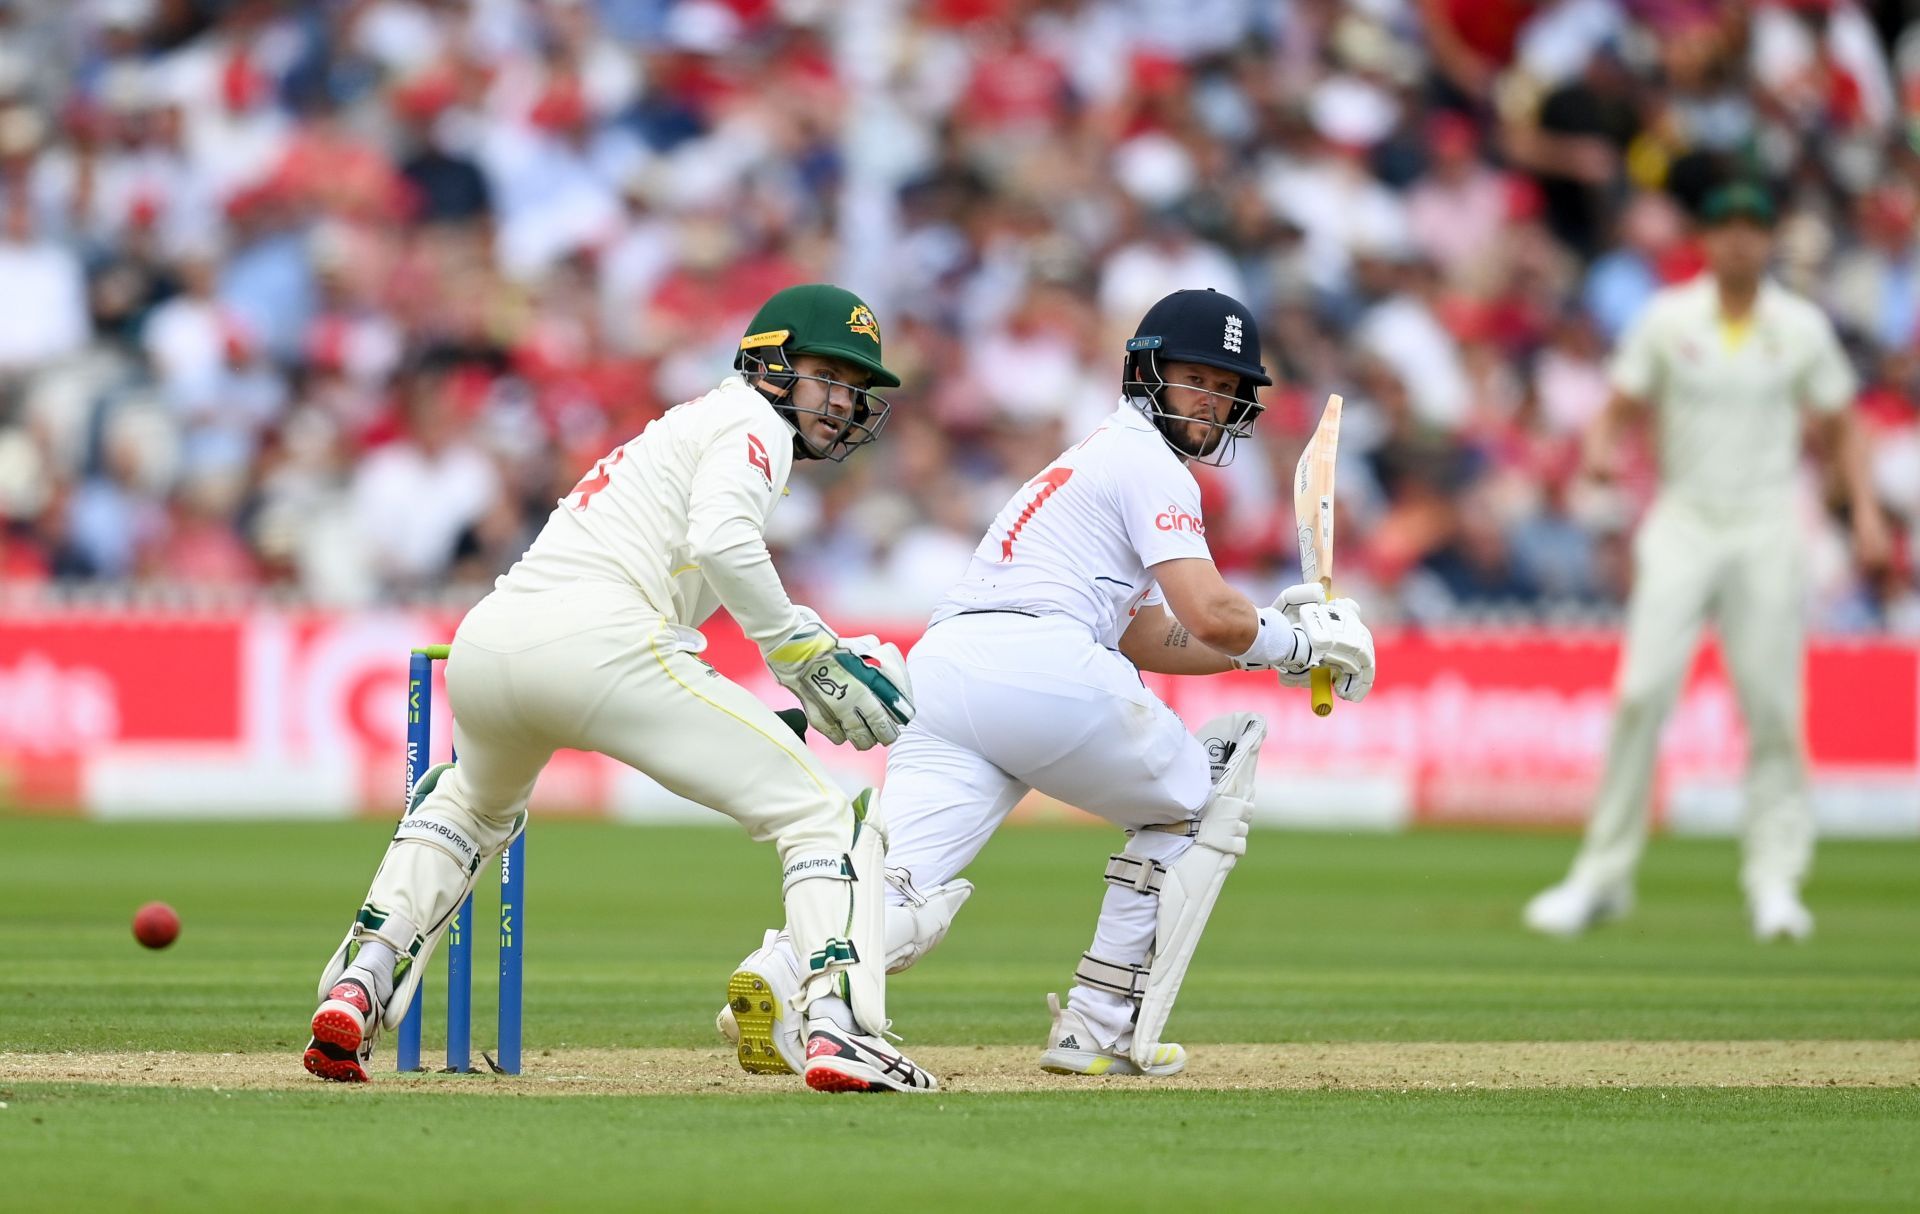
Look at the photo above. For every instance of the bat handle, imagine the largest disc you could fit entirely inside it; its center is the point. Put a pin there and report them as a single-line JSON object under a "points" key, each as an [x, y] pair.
{"points": [[1322, 679]]}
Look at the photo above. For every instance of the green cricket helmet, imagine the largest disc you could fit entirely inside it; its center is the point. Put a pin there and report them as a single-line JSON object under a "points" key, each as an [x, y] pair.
{"points": [[832, 322]]}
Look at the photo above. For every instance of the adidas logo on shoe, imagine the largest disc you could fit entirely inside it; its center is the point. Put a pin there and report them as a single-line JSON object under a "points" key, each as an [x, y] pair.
{"points": [[1069, 1042]]}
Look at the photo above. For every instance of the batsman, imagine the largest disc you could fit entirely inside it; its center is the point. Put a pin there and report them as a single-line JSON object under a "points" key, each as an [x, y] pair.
{"points": [[1029, 678], [591, 642], [1725, 367]]}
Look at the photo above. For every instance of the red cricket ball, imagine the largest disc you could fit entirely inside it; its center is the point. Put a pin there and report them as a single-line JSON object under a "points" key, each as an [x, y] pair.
{"points": [[155, 925]]}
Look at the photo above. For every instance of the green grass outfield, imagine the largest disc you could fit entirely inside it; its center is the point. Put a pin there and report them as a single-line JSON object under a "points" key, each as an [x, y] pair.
{"points": [[1363, 940]]}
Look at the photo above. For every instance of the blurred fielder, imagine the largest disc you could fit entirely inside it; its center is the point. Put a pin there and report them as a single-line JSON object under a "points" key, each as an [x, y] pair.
{"points": [[1725, 364], [590, 642], [1029, 678]]}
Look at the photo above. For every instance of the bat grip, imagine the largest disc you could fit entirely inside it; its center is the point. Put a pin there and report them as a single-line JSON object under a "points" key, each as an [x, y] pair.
{"points": [[1321, 680]]}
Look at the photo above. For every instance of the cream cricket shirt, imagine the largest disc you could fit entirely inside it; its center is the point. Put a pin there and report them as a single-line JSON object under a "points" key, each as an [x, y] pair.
{"points": [[1077, 540], [1729, 397], [680, 512]]}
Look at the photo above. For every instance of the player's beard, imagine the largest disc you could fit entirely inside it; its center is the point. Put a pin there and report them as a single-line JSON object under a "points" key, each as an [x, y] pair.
{"points": [[1212, 434]]}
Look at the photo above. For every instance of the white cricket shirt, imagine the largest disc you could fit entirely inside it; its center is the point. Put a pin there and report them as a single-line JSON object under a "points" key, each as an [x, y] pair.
{"points": [[1729, 398], [1077, 539], [680, 512]]}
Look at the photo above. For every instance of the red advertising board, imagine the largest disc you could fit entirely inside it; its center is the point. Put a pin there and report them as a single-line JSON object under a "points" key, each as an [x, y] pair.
{"points": [[269, 712]]}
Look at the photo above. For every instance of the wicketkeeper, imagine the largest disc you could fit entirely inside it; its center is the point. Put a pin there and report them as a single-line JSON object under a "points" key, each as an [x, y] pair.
{"points": [[1028, 677], [591, 642]]}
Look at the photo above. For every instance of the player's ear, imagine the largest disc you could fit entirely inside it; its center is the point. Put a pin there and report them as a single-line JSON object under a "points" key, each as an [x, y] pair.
{"points": [[771, 376]]}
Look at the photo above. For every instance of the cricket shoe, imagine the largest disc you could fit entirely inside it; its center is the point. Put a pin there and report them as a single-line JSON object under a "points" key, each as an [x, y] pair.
{"points": [[1073, 1048], [759, 1018], [1778, 914], [343, 1031], [842, 1061], [1571, 907]]}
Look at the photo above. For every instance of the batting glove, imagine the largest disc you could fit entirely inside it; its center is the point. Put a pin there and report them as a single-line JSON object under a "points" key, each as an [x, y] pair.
{"points": [[1288, 605], [1337, 640]]}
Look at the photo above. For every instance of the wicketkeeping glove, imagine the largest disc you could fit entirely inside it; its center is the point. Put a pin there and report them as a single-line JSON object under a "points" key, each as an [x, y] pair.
{"points": [[853, 689]]}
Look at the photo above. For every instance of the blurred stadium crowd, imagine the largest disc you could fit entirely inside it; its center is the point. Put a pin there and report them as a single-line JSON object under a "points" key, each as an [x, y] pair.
{"points": [[337, 297]]}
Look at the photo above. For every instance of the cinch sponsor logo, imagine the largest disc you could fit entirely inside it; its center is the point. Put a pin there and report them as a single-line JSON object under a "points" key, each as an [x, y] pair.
{"points": [[1176, 519]]}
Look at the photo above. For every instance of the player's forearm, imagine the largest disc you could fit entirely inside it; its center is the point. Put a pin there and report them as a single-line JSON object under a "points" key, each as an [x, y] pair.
{"points": [[1216, 614], [1226, 623], [1847, 447], [1222, 618], [1161, 644], [734, 560], [1601, 442], [1247, 636]]}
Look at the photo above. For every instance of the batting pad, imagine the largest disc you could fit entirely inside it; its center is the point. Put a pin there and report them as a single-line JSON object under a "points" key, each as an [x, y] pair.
{"points": [[921, 922], [1190, 887]]}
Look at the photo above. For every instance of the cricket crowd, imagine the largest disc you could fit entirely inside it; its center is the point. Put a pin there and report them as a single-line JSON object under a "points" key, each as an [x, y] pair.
{"points": [[336, 298]]}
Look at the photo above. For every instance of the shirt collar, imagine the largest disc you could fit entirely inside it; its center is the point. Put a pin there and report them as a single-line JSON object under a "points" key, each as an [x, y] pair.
{"points": [[1132, 416], [1763, 299]]}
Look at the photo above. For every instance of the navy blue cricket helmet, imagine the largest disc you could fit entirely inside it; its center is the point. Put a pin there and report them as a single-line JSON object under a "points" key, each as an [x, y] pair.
{"points": [[1204, 327]]}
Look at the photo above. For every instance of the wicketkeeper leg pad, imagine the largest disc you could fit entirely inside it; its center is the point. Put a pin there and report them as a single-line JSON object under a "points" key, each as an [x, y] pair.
{"points": [[434, 861], [379, 923], [1190, 886], [836, 914]]}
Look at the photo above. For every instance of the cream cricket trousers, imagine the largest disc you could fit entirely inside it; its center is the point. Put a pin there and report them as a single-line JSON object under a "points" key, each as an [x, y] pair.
{"points": [[1741, 572], [592, 666]]}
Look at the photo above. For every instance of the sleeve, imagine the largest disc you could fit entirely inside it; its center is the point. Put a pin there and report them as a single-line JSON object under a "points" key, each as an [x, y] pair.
{"points": [[1635, 370], [1828, 384], [735, 482], [1160, 509]]}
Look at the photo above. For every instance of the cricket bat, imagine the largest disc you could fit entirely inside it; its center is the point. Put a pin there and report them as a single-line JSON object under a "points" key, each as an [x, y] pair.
{"points": [[1313, 515]]}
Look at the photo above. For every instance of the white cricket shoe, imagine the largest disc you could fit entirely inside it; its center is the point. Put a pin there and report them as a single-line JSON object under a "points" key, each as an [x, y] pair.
{"points": [[842, 1061], [1778, 914], [758, 1018], [1073, 1048], [1571, 907]]}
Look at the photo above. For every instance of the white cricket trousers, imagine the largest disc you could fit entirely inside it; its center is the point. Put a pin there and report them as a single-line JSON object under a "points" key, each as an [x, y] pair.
{"points": [[592, 666], [1005, 703], [1742, 571]]}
